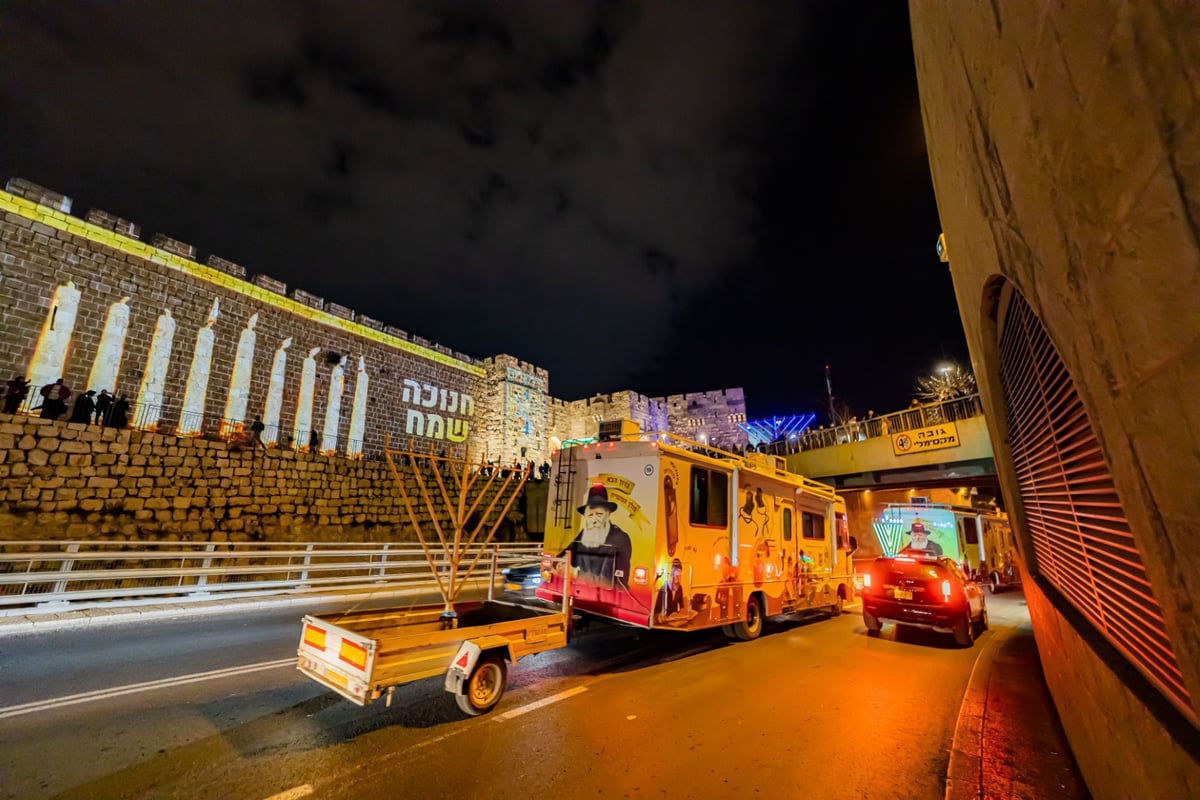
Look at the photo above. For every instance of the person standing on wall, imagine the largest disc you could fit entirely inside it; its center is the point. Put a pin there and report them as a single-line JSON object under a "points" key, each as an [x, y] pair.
{"points": [[256, 429], [103, 404], [54, 399], [119, 417], [18, 388], [84, 406]]}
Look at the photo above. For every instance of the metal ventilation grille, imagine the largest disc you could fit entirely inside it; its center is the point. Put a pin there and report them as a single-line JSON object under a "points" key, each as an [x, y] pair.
{"points": [[1081, 539]]}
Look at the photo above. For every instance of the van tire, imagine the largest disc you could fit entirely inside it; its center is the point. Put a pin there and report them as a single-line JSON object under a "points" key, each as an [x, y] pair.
{"points": [[750, 628]]}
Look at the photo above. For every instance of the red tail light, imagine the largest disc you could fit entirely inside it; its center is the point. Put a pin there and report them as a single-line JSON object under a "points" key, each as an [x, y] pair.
{"points": [[866, 580], [946, 590]]}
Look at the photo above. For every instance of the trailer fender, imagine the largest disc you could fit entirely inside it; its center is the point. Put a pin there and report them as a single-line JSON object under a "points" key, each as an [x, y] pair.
{"points": [[467, 657]]}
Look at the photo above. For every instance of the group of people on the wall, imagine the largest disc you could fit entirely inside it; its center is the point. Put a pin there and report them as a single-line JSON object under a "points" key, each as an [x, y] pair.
{"points": [[90, 407]]}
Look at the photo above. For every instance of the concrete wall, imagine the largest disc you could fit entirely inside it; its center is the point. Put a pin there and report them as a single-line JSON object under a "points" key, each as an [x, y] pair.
{"points": [[1064, 142]]}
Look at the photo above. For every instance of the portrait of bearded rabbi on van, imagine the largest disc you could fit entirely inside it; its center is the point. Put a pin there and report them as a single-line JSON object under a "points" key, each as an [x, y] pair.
{"points": [[601, 553]]}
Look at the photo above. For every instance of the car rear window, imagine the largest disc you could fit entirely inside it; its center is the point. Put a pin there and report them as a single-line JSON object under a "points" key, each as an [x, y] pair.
{"points": [[911, 567]]}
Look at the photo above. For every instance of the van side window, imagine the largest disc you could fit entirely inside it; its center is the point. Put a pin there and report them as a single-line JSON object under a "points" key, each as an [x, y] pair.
{"points": [[787, 524], [812, 526], [709, 498]]}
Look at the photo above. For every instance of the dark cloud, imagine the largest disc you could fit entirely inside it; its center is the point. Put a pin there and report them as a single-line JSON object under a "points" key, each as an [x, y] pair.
{"points": [[604, 189]]}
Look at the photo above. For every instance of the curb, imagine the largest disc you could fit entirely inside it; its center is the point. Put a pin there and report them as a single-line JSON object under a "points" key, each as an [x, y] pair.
{"points": [[964, 775]]}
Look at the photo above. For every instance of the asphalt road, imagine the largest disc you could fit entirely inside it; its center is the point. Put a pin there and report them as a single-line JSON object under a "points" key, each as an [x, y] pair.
{"points": [[212, 707]]}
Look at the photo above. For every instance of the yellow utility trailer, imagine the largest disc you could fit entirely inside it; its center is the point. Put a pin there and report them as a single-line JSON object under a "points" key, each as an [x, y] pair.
{"points": [[365, 654]]}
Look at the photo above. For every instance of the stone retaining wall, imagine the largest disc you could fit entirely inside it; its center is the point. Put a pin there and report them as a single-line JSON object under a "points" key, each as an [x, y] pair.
{"points": [[73, 481]]}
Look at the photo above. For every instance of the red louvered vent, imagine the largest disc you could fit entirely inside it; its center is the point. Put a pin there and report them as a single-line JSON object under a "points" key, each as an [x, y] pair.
{"points": [[1081, 539]]}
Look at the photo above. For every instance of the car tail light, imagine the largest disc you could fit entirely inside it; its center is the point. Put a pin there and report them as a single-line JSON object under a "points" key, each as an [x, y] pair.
{"points": [[866, 580], [946, 590]]}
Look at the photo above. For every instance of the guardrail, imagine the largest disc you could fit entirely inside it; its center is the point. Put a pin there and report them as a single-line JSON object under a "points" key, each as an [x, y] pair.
{"points": [[77, 575]]}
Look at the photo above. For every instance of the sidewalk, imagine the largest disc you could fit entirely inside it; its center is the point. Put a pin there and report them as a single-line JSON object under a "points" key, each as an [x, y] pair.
{"points": [[1008, 742]]}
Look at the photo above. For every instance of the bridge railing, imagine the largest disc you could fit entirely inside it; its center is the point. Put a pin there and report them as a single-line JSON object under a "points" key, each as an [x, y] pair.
{"points": [[77, 575], [909, 419]]}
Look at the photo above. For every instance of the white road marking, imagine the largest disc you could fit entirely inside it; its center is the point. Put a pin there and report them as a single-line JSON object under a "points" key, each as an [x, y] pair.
{"points": [[134, 688], [293, 793], [525, 709]]}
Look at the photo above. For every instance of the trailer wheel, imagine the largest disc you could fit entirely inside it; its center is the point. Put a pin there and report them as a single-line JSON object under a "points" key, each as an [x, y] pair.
{"points": [[752, 625], [485, 687]]}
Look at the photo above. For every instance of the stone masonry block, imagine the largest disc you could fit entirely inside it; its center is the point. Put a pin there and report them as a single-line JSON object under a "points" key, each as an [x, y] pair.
{"points": [[112, 222], [308, 299], [270, 284], [339, 310], [38, 194], [164, 242], [227, 266]]}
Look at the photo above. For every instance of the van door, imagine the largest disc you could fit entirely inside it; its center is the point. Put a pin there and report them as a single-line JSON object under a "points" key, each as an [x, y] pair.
{"points": [[790, 562]]}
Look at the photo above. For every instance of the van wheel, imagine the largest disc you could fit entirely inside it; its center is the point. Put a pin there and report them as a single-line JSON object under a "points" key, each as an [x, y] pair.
{"points": [[485, 687], [835, 610], [752, 626], [994, 583], [964, 631]]}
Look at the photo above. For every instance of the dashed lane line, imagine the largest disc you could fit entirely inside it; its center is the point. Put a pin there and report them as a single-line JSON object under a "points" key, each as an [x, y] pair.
{"points": [[135, 688], [534, 706]]}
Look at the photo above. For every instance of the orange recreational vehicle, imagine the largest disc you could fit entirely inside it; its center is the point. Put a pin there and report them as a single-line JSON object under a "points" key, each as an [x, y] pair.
{"points": [[666, 533]]}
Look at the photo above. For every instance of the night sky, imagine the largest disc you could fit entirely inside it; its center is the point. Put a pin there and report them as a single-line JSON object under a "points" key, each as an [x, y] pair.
{"points": [[661, 197]]}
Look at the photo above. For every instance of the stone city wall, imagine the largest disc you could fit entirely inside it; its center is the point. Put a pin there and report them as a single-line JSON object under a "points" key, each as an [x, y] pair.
{"points": [[515, 411], [708, 417], [200, 349], [88, 303]]}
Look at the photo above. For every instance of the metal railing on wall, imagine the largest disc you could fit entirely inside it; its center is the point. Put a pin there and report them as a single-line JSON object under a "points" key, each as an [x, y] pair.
{"points": [[77, 575]]}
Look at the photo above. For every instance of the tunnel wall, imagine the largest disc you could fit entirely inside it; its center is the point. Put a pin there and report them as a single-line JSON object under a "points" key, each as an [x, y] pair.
{"points": [[1064, 144]]}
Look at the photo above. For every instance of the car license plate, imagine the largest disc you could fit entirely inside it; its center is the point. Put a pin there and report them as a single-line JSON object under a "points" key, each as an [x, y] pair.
{"points": [[902, 594], [512, 587]]}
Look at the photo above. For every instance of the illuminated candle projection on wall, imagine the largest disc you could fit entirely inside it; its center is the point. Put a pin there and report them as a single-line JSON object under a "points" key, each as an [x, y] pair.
{"points": [[191, 418], [333, 410], [107, 365], [150, 395], [358, 412], [275, 394], [50, 355], [239, 382], [304, 405]]}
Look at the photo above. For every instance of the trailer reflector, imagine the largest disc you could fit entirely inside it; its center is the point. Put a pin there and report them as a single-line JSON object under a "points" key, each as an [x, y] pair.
{"points": [[314, 637], [354, 654]]}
